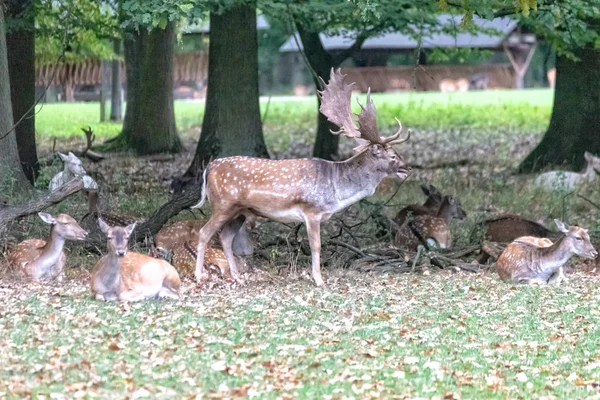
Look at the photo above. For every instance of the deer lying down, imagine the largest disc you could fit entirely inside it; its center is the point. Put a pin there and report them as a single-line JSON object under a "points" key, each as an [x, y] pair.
{"points": [[506, 228], [45, 260], [306, 190], [537, 262], [430, 207], [128, 276], [568, 180], [432, 229], [183, 257]]}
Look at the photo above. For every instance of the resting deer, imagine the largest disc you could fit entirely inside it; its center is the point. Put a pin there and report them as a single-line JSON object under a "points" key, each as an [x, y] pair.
{"points": [[508, 227], [183, 257], [526, 262], [45, 260], [433, 230], [304, 190], [129, 276], [110, 218], [450, 85], [72, 168], [568, 180], [430, 207]]}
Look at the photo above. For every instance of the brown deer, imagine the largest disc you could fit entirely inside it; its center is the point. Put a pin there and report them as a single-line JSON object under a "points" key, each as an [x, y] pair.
{"points": [[506, 228], [450, 85], [129, 276], [430, 207], [45, 260], [183, 257], [526, 262], [304, 190], [432, 230], [110, 218]]}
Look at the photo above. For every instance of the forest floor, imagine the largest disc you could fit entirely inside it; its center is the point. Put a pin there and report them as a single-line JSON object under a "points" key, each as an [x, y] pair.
{"points": [[371, 332]]}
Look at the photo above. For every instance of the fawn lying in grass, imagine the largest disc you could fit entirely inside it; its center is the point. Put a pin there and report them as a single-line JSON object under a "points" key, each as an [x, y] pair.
{"points": [[568, 180], [535, 261], [129, 276]]}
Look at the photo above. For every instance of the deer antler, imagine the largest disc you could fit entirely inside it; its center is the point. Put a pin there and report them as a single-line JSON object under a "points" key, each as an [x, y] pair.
{"points": [[336, 106]]}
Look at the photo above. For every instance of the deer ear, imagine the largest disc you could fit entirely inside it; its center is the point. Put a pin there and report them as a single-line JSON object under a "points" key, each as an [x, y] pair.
{"points": [[63, 157], [561, 226], [129, 229], [588, 156], [103, 226], [47, 218]]}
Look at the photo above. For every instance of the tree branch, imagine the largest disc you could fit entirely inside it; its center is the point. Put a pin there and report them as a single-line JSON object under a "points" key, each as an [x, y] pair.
{"points": [[340, 58], [8, 214]]}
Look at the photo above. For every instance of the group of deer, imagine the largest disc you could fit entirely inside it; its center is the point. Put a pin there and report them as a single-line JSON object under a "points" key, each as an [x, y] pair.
{"points": [[242, 188]]}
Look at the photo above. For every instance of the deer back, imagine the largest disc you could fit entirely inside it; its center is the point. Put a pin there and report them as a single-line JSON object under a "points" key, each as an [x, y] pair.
{"points": [[178, 232], [506, 228]]}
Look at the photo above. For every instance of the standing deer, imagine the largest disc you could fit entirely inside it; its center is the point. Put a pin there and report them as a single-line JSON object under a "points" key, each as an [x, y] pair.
{"points": [[129, 276], [551, 77], [72, 168], [433, 230], [450, 85], [430, 207], [568, 180], [303, 190], [525, 261], [45, 260]]}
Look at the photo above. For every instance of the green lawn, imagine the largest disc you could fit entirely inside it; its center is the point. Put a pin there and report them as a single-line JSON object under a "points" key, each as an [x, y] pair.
{"points": [[525, 109], [364, 336]]}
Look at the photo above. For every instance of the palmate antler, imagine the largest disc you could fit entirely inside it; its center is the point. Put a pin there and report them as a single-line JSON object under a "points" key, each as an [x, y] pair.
{"points": [[336, 106]]}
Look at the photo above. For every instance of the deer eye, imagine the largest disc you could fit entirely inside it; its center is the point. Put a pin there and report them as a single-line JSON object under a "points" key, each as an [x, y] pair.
{"points": [[578, 238]]}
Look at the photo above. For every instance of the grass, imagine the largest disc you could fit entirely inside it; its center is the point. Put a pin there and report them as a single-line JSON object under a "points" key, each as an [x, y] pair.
{"points": [[525, 109], [409, 336]]}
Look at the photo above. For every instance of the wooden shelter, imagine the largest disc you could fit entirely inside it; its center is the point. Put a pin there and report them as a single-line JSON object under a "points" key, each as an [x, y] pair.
{"points": [[500, 35]]}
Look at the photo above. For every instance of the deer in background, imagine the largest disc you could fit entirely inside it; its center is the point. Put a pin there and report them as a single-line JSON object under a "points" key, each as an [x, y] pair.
{"points": [[433, 230], [508, 227], [303, 190], [129, 276], [525, 261], [94, 213], [72, 168], [450, 85], [430, 207], [45, 260], [568, 180]]}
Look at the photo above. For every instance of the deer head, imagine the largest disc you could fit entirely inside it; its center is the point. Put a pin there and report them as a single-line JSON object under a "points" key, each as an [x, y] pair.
{"points": [[118, 237], [73, 164], [578, 239], [450, 208], [64, 225], [336, 106], [593, 162]]}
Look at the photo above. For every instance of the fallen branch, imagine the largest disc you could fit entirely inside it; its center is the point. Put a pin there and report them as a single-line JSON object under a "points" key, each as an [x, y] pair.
{"points": [[89, 141], [11, 213]]}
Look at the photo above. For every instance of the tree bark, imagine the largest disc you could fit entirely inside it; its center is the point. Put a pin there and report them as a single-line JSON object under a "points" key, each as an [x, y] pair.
{"points": [[12, 177], [116, 98], [232, 124], [20, 45], [575, 115], [149, 125], [326, 144]]}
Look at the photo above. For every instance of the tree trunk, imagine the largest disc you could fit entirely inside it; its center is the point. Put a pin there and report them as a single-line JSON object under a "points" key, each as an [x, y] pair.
{"points": [[12, 177], [231, 124], [21, 67], [575, 116], [116, 98], [149, 125], [326, 144]]}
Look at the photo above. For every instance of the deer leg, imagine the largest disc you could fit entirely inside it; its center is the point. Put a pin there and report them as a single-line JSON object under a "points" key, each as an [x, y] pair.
{"points": [[131, 295], [242, 245], [230, 230], [213, 225], [313, 228], [557, 277]]}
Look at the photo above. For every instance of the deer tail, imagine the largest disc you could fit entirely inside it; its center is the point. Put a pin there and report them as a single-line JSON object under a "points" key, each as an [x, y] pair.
{"points": [[203, 194]]}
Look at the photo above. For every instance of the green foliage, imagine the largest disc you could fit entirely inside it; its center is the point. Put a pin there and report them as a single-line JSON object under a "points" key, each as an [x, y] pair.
{"points": [[80, 28]]}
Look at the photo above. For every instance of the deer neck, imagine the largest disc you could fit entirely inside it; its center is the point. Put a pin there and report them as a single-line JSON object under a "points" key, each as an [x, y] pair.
{"points": [[112, 265], [354, 179], [556, 255], [52, 250], [589, 172]]}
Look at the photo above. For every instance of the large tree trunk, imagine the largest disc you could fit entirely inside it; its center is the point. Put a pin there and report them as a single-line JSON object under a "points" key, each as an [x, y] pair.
{"points": [[326, 144], [575, 116], [116, 98], [149, 125], [12, 177], [231, 124], [21, 67]]}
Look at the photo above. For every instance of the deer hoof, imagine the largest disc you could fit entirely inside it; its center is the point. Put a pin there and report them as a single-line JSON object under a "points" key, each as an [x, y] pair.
{"points": [[201, 278], [319, 282]]}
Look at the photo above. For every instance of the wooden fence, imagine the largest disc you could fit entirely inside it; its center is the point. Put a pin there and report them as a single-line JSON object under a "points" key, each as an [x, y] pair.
{"points": [[187, 67], [426, 77]]}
